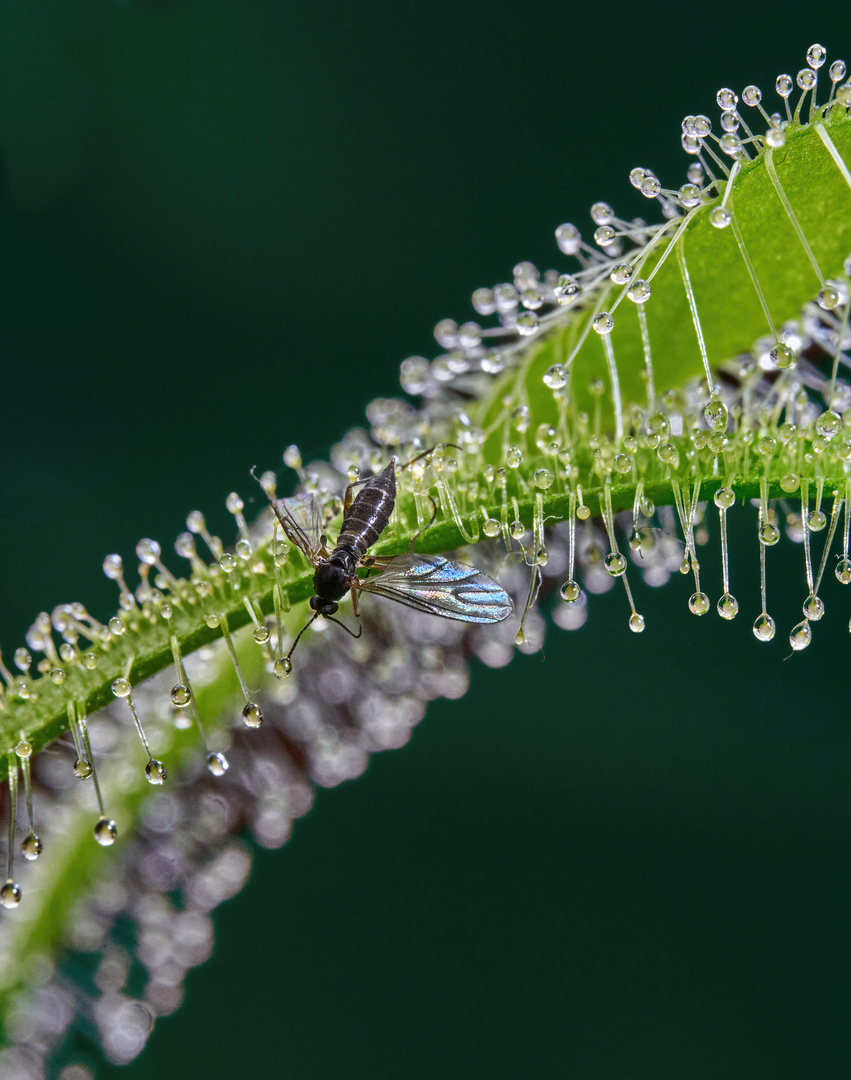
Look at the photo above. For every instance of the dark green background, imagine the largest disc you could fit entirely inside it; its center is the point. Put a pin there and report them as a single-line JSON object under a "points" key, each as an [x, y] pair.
{"points": [[224, 225]]}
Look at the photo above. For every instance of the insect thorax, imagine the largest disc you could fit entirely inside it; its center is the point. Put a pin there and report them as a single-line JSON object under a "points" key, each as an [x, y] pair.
{"points": [[332, 578]]}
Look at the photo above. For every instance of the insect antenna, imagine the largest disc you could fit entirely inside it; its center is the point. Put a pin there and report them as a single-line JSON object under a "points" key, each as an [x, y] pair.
{"points": [[298, 635]]}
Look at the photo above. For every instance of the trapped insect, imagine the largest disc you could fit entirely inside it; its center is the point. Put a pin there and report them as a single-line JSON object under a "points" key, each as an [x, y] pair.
{"points": [[427, 583]]}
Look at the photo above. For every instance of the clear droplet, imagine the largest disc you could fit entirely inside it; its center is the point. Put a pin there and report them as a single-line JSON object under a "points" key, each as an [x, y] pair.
{"points": [[801, 636], [24, 749], [57, 676], [725, 498], [782, 356], [113, 567], [639, 291], [813, 608], [570, 592], [212, 621], [636, 622], [491, 528], [763, 627], [843, 571], [816, 55], [31, 847], [604, 323], [106, 832], [252, 715], [543, 479], [728, 606], [217, 763], [790, 482], [816, 520], [720, 217], [555, 377], [155, 772], [698, 603], [148, 551], [228, 562], [519, 638], [615, 563], [261, 634], [90, 661], [282, 667], [768, 534], [121, 688], [82, 769], [181, 695], [10, 895]]}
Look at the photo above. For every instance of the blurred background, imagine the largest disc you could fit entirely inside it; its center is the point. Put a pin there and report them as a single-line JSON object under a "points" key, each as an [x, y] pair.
{"points": [[224, 224]]}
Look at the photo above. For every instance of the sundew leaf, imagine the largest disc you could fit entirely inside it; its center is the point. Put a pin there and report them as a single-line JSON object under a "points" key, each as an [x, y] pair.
{"points": [[513, 448]]}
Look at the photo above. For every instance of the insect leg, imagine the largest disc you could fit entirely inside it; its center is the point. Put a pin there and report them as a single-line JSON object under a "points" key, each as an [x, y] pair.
{"points": [[351, 633]]}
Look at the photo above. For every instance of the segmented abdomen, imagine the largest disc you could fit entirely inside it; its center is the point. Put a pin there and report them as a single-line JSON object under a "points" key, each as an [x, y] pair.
{"points": [[369, 513]]}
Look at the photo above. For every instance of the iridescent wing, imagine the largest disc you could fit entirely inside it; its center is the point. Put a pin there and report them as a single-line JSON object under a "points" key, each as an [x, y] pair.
{"points": [[301, 521], [440, 587]]}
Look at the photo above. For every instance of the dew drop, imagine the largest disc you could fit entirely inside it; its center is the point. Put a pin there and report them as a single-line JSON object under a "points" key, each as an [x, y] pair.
{"points": [[57, 676], [217, 763], [31, 847], [491, 528], [782, 356], [113, 567], [801, 636], [517, 529], [623, 464], [724, 498], [212, 621], [543, 479], [106, 832], [148, 551], [90, 661], [180, 695], [828, 423], [514, 457], [24, 749], [636, 623], [720, 217], [155, 772], [698, 603], [282, 667], [570, 592], [813, 608], [604, 323], [261, 634], [763, 627], [639, 291], [555, 377], [82, 769], [816, 55], [615, 563], [685, 565], [828, 297], [583, 512], [10, 895], [519, 638], [252, 715], [728, 606], [228, 562], [768, 534], [790, 482], [621, 273], [121, 688], [816, 520], [843, 571], [116, 625]]}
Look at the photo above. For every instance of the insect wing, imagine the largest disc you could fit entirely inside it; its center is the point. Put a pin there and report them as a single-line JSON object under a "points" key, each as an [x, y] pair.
{"points": [[300, 519], [441, 587]]}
